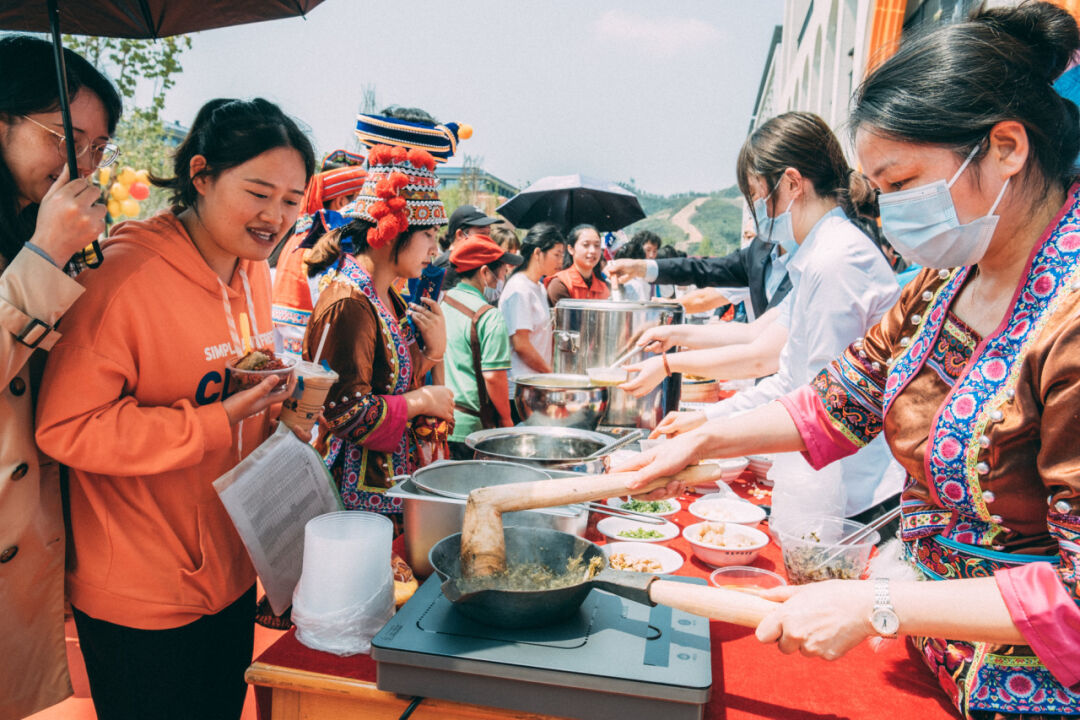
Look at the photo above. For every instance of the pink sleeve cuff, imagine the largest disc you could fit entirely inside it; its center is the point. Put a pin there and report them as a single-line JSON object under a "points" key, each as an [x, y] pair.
{"points": [[824, 443], [387, 435], [1046, 615]]}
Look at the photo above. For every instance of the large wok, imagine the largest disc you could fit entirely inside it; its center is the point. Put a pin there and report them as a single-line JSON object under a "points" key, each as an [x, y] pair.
{"points": [[535, 608]]}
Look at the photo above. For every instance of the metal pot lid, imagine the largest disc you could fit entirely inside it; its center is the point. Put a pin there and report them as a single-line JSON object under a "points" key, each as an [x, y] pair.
{"points": [[456, 479], [618, 305]]}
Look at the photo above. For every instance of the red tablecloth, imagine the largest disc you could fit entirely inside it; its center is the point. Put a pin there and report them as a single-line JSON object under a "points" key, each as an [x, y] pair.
{"points": [[750, 680]]}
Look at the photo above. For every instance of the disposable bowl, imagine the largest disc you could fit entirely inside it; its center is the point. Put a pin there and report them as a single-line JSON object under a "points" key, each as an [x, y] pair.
{"points": [[728, 510], [719, 555]]}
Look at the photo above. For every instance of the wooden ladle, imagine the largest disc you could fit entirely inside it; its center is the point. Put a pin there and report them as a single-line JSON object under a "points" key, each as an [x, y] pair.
{"points": [[483, 547]]}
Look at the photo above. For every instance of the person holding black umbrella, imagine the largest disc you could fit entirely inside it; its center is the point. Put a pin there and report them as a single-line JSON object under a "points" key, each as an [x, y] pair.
{"points": [[44, 220]]}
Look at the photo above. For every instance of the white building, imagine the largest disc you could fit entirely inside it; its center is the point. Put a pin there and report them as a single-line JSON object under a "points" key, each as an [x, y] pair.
{"points": [[823, 50]]}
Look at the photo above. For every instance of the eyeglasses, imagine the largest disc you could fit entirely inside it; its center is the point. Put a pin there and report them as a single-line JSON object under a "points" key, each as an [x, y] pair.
{"points": [[102, 155]]}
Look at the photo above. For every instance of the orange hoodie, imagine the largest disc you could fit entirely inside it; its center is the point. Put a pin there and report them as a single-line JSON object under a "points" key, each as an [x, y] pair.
{"points": [[131, 402]]}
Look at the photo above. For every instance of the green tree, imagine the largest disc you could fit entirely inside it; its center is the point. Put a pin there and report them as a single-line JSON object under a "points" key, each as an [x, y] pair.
{"points": [[705, 247], [129, 61], [140, 134]]}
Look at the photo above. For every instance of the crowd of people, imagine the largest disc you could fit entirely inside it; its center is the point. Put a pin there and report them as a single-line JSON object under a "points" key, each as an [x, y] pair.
{"points": [[950, 392]]}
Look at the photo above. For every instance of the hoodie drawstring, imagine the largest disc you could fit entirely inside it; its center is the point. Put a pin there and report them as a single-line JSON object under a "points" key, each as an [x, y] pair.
{"points": [[238, 345]]}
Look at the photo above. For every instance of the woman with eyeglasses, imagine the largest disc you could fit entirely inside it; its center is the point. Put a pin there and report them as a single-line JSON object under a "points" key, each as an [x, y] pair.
{"points": [[973, 377], [45, 218]]}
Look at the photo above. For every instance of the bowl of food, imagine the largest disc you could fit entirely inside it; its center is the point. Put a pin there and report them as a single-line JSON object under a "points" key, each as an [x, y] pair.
{"points": [[252, 368], [728, 510], [642, 557], [724, 543], [812, 551], [760, 466], [607, 376], [623, 529], [743, 577], [652, 507]]}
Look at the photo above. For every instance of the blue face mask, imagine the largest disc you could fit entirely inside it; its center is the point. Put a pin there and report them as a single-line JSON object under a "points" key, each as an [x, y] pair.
{"points": [[921, 224], [777, 230]]}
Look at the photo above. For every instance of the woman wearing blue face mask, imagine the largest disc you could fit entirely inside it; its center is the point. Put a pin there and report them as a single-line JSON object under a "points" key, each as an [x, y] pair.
{"points": [[793, 173], [973, 377]]}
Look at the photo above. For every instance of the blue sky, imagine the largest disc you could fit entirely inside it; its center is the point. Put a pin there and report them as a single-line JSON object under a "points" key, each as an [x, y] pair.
{"points": [[656, 91]]}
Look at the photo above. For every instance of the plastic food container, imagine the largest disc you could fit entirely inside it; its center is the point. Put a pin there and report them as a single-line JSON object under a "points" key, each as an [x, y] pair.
{"points": [[245, 379], [742, 543], [807, 542], [741, 577]]}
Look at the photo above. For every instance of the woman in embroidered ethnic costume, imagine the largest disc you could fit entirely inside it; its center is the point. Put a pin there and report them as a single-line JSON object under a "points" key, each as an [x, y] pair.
{"points": [[379, 420], [973, 376]]}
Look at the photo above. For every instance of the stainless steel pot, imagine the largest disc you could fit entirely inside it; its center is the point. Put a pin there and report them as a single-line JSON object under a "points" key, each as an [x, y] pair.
{"points": [[594, 333], [549, 448], [428, 518], [561, 400]]}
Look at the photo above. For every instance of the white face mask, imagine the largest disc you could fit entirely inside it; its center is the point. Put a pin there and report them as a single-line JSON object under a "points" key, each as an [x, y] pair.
{"points": [[492, 294], [922, 225], [778, 230]]}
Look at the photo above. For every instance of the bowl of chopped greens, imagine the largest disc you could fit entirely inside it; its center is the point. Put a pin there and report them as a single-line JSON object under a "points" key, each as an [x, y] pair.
{"points": [[812, 551], [653, 507], [623, 529]]}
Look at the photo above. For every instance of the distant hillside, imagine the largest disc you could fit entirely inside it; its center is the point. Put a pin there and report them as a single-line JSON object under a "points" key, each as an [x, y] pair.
{"points": [[718, 219]]}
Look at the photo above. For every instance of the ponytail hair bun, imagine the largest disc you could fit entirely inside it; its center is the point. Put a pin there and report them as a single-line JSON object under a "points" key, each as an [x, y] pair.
{"points": [[1049, 33]]}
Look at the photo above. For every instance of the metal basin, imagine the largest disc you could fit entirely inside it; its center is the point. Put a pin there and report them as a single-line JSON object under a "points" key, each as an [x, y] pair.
{"points": [[431, 517], [560, 400], [550, 448]]}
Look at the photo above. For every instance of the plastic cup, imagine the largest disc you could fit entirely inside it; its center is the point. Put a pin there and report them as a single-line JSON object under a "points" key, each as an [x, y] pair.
{"points": [[807, 542], [313, 383], [740, 577], [245, 379], [346, 554]]}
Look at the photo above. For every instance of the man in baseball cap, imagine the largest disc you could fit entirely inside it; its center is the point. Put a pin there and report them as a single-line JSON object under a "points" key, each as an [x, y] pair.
{"points": [[477, 343], [465, 222]]}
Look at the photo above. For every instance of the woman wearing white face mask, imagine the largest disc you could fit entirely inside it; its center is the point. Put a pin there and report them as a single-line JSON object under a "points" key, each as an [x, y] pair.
{"points": [[973, 377], [804, 195]]}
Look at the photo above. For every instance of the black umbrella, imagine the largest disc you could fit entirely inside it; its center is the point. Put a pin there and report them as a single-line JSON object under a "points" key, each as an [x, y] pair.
{"points": [[149, 19], [569, 200]]}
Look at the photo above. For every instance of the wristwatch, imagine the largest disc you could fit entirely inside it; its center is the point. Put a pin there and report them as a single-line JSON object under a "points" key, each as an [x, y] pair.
{"points": [[883, 618]]}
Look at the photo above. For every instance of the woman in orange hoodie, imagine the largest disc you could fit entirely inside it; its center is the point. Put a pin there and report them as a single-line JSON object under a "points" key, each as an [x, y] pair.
{"points": [[136, 402]]}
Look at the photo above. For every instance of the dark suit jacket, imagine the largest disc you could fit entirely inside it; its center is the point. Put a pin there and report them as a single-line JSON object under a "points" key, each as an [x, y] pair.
{"points": [[742, 268]]}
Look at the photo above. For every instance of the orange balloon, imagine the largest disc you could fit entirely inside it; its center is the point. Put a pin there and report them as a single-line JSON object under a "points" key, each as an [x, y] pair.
{"points": [[130, 207], [119, 191], [140, 191]]}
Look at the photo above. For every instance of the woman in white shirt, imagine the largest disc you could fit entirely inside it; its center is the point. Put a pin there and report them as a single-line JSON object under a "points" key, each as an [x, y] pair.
{"points": [[524, 302], [794, 174]]}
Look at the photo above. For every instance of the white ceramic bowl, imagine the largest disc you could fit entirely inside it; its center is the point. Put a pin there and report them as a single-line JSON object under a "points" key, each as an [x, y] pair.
{"points": [[728, 510], [720, 556], [673, 505], [669, 559], [611, 527]]}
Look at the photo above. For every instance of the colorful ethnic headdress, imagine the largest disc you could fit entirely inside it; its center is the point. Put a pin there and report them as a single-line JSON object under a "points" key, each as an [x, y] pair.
{"points": [[400, 190], [342, 174], [440, 140]]}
